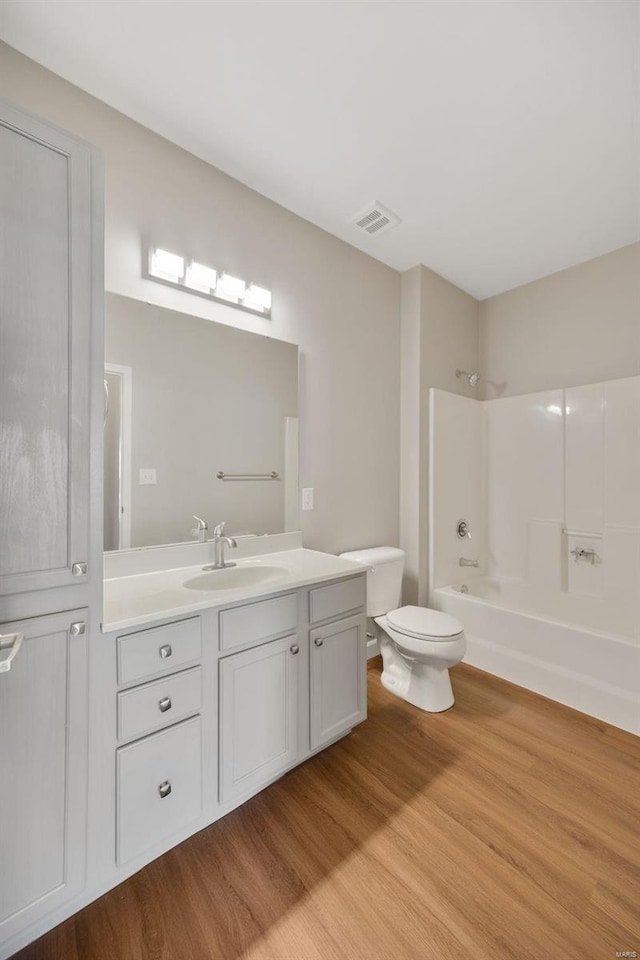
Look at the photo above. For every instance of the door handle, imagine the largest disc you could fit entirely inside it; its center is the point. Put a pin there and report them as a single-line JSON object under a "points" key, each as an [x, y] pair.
{"points": [[11, 642], [318, 642], [294, 648]]}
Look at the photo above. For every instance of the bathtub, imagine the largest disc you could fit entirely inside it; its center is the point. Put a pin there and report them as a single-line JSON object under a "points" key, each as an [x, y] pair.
{"points": [[579, 651]]}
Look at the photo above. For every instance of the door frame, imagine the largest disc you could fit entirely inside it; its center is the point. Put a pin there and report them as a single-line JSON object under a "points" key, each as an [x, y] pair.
{"points": [[126, 416]]}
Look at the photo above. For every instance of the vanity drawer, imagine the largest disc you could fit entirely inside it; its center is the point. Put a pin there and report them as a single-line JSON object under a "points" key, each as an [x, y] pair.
{"points": [[159, 703], [159, 788], [160, 650], [336, 599], [257, 622]]}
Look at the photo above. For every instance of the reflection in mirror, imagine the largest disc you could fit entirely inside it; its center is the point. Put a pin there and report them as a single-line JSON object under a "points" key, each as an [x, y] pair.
{"points": [[185, 400]]}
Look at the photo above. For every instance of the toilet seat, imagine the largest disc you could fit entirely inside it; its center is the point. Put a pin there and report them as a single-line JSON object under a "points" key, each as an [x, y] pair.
{"points": [[425, 624]]}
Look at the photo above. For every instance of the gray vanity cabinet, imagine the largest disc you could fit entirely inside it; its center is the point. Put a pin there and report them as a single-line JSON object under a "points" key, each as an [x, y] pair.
{"points": [[258, 716], [338, 664], [47, 298], [51, 335], [43, 731]]}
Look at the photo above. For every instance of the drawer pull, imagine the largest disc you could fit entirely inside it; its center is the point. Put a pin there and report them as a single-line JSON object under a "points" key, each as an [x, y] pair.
{"points": [[164, 704], [164, 789], [318, 642], [294, 648], [11, 642], [165, 651]]}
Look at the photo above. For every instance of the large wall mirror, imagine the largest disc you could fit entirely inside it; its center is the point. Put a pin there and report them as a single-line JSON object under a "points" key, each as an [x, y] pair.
{"points": [[186, 400]]}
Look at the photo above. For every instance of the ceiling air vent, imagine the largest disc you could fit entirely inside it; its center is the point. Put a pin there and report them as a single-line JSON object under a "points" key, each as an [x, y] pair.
{"points": [[375, 218]]}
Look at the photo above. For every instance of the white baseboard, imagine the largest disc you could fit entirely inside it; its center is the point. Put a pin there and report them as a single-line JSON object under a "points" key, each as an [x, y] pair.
{"points": [[372, 648]]}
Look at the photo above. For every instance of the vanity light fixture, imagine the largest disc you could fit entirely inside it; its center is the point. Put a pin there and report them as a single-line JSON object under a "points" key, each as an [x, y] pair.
{"points": [[230, 288], [200, 278], [165, 265], [169, 269], [257, 297]]}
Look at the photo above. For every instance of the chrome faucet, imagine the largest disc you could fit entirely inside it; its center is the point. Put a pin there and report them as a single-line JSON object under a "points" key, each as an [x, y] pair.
{"points": [[200, 532], [219, 543], [463, 562]]}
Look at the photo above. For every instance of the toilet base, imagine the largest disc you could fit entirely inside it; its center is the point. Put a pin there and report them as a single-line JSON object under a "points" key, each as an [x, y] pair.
{"points": [[425, 685]]}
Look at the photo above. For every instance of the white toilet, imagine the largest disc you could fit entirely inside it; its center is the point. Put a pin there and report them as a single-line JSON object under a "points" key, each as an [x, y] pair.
{"points": [[418, 645]]}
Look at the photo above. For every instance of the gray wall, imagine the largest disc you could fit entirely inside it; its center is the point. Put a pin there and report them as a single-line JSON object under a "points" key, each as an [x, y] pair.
{"points": [[581, 325], [340, 306], [439, 334], [205, 397]]}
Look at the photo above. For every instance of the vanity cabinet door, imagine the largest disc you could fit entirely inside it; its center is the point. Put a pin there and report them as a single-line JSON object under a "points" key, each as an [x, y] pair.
{"points": [[258, 716], [43, 767], [338, 664], [45, 355]]}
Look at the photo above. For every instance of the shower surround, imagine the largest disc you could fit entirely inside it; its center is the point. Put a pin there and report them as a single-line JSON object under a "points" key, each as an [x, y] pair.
{"points": [[550, 486]]}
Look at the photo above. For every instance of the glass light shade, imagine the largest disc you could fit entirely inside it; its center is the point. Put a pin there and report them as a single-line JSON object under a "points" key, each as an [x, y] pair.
{"points": [[200, 277], [167, 265], [258, 298], [230, 288]]}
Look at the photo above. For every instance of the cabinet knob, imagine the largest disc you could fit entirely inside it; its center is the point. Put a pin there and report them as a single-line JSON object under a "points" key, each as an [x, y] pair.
{"points": [[318, 642], [164, 704], [79, 569], [294, 648], [165, 651], [77, 629], [164, 789]]}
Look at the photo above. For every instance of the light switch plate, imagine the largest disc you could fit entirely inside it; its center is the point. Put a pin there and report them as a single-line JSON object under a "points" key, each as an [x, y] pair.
{"points": [[147, 475], [307, 498]]}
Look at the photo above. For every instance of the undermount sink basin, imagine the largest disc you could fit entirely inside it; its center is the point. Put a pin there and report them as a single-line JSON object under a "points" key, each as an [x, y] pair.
{"points": [[231, 578]]}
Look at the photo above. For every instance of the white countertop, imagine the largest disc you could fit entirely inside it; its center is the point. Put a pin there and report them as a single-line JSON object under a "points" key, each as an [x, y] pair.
{"points": [[145, 598]]}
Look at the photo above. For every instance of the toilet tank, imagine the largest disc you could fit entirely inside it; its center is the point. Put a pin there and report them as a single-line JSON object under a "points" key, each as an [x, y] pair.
{"points": [[384, 577]]}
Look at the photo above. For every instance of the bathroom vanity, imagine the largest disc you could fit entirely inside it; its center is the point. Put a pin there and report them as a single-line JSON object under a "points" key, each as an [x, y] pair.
{"points": [[210, 690], [128, 725]]}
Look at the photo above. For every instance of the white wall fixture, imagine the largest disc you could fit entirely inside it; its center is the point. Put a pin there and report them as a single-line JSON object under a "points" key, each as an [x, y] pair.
{"points": [[555, 476], [200, 277], [165, 265], [168, 268]]}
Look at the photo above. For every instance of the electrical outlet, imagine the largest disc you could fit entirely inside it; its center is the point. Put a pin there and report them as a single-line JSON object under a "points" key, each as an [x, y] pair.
{"points": [[307, 498], [147, 476]]}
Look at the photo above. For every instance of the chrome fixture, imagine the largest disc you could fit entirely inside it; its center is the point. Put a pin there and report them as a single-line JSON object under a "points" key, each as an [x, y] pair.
{"points": [[473, 378], [190, 275], [462, 530], [586, 554], [221, 475], [464, 588], [11, 642], [463, 562], [200, 532], [219, 543]]}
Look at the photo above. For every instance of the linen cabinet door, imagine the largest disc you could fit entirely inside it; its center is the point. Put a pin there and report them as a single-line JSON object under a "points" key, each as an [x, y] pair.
{"points": [[43, 766], [258, 716], [45, 331], [338, 663]]}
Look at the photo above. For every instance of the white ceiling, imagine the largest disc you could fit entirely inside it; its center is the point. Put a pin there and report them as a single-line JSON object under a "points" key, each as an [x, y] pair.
{"points": [[503, 132]]}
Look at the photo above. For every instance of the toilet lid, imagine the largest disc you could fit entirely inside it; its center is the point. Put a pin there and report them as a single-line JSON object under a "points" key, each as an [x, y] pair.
{"points": [[422, 622]]}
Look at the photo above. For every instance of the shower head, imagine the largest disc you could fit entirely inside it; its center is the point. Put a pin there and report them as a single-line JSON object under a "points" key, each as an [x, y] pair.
{"points": [[473, 378]]}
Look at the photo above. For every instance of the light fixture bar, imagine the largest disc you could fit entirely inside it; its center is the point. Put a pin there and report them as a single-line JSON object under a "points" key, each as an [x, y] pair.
{"points": [[200, 278], [165, 265], [168, 268]]}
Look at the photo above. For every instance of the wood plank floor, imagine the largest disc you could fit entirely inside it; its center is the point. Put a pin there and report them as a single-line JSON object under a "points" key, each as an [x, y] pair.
{"points": [[505, 828]]}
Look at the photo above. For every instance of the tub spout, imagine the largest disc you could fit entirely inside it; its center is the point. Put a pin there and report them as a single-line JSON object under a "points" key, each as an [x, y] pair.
{"points": [[463, 562]]}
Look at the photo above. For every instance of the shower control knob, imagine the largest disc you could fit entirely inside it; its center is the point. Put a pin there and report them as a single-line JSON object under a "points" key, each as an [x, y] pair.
{"points": [[462, 530]]}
